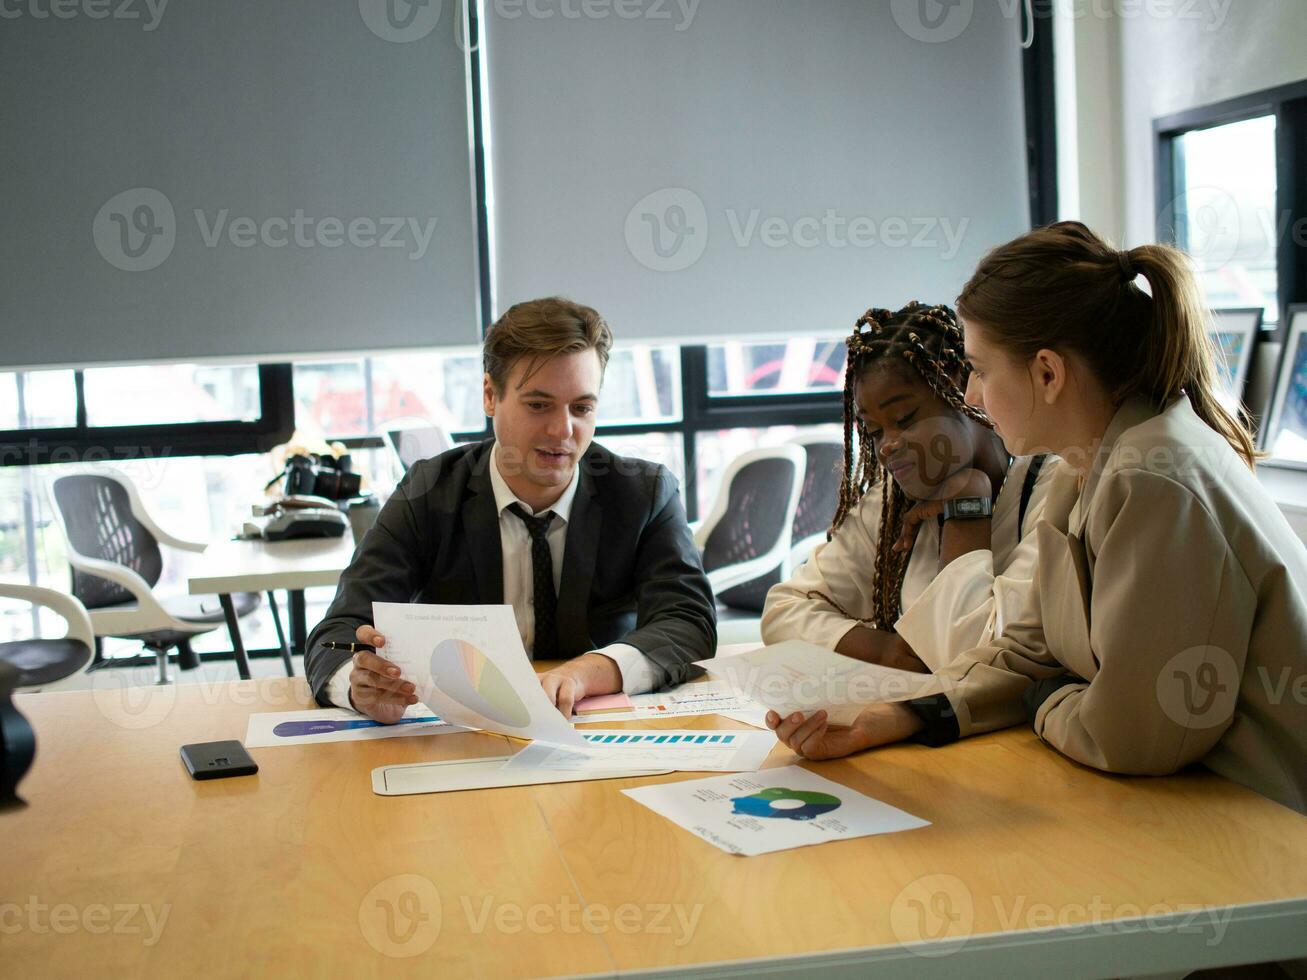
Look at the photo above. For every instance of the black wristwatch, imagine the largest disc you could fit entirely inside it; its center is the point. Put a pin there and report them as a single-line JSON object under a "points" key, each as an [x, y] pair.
{"points": [[968, 508]]}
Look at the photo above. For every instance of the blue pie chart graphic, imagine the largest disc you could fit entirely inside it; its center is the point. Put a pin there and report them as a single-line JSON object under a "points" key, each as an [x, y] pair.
{"points": [[786, 804], [467, 675]]}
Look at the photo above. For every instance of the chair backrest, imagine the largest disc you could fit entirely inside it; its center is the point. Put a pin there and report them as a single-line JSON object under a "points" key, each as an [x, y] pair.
{"points": [[97, 518], [752, 517], [412, 445], [821, 487]]}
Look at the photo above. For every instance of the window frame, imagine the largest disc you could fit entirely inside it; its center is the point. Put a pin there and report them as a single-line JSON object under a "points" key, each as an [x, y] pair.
{"points": [[86, 443], [1288, 104]]}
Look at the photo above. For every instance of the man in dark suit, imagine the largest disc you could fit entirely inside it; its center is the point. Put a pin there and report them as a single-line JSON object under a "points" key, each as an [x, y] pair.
{"points": [[591, 549]]}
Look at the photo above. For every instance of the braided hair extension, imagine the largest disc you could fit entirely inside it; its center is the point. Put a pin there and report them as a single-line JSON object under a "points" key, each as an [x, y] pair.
{"points": [[929, 339]]}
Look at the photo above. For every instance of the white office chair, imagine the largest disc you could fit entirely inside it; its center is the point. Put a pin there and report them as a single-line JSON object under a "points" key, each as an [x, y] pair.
{"points": [[745, 539], [113, 548], [45, 661], [412, 443], [818, 498]]}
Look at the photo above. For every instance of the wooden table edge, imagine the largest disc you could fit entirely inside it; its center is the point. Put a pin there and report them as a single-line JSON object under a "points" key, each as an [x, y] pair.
{"points": [[1139, 946]]}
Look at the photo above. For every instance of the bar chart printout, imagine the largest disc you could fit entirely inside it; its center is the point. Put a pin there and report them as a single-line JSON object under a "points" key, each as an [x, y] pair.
{"points": [[686, 751]]}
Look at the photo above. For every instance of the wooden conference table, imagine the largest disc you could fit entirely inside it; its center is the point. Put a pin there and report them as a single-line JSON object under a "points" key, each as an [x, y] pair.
{"points": [[1032, 866]]}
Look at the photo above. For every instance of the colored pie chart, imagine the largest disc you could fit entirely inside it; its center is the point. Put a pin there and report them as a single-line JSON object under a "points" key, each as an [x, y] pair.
{"points": [[467, 675], [788, 804]]}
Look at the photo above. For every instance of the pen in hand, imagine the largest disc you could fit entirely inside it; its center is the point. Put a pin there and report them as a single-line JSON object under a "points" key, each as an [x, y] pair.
{"points": [[348, 647]]}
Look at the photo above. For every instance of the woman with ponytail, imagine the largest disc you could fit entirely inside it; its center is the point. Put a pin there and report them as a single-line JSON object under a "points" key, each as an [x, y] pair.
{"points": [[931, 549], [1168, 623]]}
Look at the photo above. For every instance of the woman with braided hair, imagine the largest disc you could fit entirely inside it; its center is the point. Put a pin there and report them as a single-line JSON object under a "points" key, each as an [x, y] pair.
{"points": [[1168, 618], [929, 550]]}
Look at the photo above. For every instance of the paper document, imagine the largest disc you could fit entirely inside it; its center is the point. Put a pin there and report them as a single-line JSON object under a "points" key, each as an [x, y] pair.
{"points": [[268, 728], [797, 676], [712, 697], [773, 810], [455, 775], [468, 663], [684, 751], [755, 715]]}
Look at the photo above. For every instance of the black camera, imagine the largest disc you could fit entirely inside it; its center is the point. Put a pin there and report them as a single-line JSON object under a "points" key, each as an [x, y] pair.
{"points": [[322, 476]]}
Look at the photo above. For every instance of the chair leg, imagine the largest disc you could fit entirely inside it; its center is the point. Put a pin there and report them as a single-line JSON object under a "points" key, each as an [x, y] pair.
{"points": [[161, 657], [186, 658], [281, 635]]}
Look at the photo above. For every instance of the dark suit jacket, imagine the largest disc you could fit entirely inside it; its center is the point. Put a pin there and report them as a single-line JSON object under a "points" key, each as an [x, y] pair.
{"points": [[631, 571]]}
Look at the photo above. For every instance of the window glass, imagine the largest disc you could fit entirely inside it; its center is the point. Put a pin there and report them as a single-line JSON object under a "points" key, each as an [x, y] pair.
{"points": [[442, 388], [776, 368], [37, 400], [331, 398], [365, 396], [162, 394], [1225, 212]]}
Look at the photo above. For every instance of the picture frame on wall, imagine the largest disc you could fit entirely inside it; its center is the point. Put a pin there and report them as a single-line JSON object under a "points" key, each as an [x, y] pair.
{"points": [[1286, 435], [1235, 333]]}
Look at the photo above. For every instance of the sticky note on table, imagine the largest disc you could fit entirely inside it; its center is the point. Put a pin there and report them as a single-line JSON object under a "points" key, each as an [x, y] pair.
{"points": [[603, 702]]}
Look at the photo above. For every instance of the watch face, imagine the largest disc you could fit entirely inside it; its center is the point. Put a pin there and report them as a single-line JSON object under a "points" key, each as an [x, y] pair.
{"points": [[967, 508]]}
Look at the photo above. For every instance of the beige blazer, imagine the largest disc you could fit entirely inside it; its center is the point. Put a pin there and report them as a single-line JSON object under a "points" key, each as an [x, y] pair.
{"points": [[1173, 591], [945, 612]]}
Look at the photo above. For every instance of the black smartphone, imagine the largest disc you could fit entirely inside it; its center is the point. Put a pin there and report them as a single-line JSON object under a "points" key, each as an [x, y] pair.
{"points": [[217, 760]]}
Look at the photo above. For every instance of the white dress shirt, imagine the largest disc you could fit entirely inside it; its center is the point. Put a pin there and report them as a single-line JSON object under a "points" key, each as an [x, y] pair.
{"points": [[639, 673]]}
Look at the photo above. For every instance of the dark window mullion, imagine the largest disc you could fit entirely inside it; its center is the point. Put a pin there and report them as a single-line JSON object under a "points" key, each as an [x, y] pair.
{"points": [[694, 398], [79, 387], [1291, 206], [1039, 86]]}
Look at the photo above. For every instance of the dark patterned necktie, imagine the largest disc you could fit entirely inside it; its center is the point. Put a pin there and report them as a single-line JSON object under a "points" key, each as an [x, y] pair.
{"points": [[543, 599]]}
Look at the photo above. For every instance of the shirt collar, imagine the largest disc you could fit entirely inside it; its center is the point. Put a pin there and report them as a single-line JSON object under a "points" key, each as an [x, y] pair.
{"points": [[504, 497]]}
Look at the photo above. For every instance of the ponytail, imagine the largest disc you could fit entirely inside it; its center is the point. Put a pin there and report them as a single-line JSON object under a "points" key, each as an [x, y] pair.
{"points": [[1063, 287], [1179, 355]]}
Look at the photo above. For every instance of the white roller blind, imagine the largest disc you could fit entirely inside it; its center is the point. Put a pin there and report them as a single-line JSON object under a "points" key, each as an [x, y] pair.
{"points": [[748, 167], [233, 178]]}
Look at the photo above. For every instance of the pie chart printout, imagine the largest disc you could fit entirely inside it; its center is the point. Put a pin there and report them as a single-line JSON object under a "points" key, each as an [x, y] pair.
{"points": [[467, 675]]}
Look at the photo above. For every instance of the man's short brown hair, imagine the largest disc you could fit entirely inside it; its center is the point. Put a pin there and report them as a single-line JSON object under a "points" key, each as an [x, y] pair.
{"points": [[543, 329]]}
